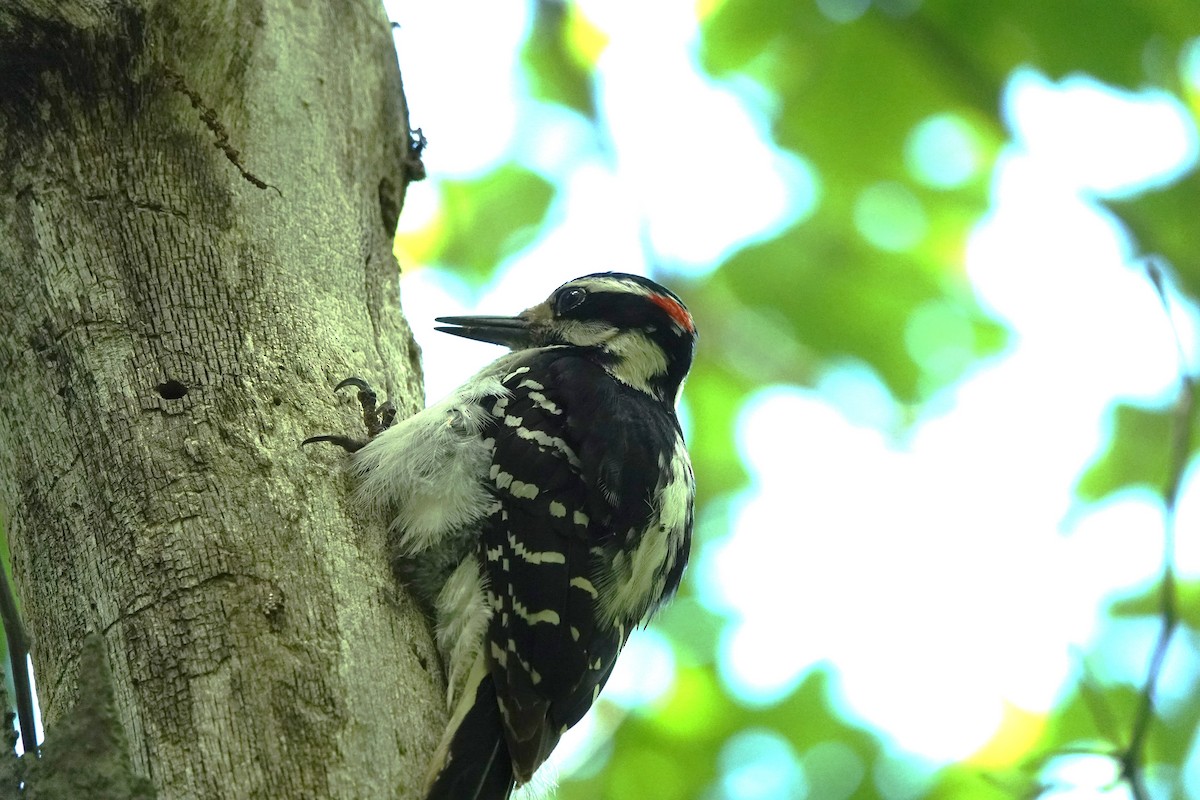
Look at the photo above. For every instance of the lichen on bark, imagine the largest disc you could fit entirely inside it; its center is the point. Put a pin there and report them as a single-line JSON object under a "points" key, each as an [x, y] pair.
{"points": [[86, 753]]}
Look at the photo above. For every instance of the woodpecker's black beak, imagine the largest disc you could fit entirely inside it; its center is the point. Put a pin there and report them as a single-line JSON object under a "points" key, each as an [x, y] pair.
{"points": [[511, 332]]}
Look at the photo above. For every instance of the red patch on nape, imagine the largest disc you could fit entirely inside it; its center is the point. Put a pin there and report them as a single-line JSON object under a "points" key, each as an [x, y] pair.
{"points": [[675, 311]]}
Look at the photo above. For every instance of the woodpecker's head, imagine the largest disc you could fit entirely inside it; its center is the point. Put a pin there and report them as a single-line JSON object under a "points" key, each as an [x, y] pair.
{"points": [[639, 331]]}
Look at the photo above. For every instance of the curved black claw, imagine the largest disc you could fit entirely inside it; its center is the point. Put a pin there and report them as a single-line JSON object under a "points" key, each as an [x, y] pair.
{"points": [[377, 419], [367, 398], [344, 442], [356, 382]]}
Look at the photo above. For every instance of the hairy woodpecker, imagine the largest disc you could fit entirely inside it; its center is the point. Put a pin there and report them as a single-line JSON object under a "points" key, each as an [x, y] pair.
{"points": [[539, 513]]}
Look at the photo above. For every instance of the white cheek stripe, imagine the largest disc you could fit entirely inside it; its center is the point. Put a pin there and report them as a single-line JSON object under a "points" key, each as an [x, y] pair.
{"points": [[610, 285], [639, 360]]}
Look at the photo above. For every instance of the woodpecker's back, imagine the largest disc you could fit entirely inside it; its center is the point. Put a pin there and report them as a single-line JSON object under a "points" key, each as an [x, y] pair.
{"points": [[541, 512]]}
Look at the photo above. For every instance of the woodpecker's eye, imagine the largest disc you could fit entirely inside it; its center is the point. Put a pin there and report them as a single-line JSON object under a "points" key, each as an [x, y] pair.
{"points": [[569, 299]]}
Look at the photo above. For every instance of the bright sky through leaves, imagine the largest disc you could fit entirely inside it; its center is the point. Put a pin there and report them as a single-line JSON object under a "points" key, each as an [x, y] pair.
{"points": [[965, 528]]}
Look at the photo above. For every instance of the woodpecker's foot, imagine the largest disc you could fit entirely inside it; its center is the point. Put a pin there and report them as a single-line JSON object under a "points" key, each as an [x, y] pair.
{"points": [[376, 418], [387, 415]]}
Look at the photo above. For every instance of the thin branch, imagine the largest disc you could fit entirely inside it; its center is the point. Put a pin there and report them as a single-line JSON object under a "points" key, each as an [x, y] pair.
{"points": [[1092, 694], [18, 658], [1132, 760]]}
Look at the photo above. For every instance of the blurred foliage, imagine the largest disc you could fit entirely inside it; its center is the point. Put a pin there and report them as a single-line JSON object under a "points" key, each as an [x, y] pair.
{"points": [[849, 97], [846, 83], [488, 217], [1135, 454], [558, 54]]}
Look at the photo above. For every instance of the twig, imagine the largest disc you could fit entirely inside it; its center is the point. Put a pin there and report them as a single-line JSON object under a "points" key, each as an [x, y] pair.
{"points": [[18, 658], [1132, 766], [1093, 698]]}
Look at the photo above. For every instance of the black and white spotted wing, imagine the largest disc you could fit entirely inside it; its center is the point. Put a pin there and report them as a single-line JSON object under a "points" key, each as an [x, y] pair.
{"points": [[550, 648]]}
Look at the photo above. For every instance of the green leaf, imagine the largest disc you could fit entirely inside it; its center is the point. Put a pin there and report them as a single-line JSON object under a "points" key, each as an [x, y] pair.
{"points": [[1124, 42], [693, 629], [1137, 454], [1148, 603], [1162, 223], [884, 245], [718, 393], [674, 751], [966, 44], [490, 217], [552, 67], [840, 299]]}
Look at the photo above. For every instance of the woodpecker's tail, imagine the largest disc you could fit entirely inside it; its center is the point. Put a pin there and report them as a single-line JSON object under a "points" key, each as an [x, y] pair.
{"points": [[473, 756]]}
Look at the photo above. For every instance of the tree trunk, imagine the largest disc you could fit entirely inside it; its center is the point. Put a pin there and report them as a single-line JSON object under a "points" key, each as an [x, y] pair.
{"points": [[197, 203]]}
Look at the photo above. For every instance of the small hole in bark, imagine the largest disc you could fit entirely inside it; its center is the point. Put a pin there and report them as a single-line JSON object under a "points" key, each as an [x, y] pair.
{"points": [[171, 390]]}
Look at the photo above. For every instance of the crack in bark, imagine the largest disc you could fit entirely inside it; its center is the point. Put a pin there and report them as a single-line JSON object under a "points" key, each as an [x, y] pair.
{"points": [[209, 117], [220, 577], [140, 205]]}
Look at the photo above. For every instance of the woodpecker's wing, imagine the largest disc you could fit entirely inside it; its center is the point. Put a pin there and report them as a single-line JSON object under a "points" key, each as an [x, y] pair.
{"points": [[544, 646], [550, 645]]}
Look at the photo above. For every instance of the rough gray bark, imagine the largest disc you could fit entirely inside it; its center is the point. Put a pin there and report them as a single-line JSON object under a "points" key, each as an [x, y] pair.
{"points": [[197, 203]]}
